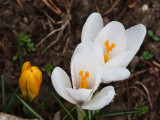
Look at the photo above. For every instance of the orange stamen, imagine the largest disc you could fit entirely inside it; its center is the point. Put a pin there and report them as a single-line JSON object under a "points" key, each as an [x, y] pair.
{"points": [[84, 82], [108, 49]]}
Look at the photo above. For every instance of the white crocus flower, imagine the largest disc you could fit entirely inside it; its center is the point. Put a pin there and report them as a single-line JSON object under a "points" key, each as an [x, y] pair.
{"points": [[86, 78], [115, 46]]}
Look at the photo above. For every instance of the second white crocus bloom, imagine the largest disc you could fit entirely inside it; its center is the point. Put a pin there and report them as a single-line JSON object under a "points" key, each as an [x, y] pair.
{"points": [[86, 77], [115, 46]]}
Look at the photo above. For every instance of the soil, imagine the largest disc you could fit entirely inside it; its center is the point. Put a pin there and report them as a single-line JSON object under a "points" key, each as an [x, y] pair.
{"points": [[36, 19]]}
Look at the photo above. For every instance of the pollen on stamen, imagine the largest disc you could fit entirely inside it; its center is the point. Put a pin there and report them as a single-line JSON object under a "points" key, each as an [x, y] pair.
{"points": [[84, 82], [108, 50]]}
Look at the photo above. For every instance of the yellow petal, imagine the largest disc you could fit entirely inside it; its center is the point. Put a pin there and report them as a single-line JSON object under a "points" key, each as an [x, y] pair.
{"points": [[28, 85], [23, 83], [32, 87], [26, 66]]}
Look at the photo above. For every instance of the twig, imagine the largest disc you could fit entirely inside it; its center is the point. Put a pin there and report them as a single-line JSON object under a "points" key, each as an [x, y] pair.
{"points": [[66, 45], [19, 3], [58, 10], [156, 73], [55, 9], [51, 33], [147, 91], [113, 6], [138, 73], [134, 87], [68, 38], [155, 63], [59, 35]]}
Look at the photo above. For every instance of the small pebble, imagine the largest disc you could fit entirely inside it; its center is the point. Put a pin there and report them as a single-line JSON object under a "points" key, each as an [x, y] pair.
{"points": [[144, 7], [25, 19]]}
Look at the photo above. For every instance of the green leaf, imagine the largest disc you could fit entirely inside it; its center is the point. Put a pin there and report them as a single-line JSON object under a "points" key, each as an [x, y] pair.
{"points": [[29, 108], [14, 58], [21, 44], [45, 99], [26, 37], [119, 113], [150, 55], [3, 92], [33, 49], [150, 33], [145, 53], [20, 35], [43, 69], [143, 109], [141, 57], [28, 40], [62, 105], [155, 38], [12, 100], [72, 109]]}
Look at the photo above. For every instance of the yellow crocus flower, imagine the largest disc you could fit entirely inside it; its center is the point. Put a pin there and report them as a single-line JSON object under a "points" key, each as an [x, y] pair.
{"points": [[30, 81]]}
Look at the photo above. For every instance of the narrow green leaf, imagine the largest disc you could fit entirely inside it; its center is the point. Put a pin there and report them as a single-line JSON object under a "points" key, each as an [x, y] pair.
{"points": [[62, 105], [65, 117], [20, 53], [3, 92], [12, 100], [29, 108], [44, 100], [120, 113]]}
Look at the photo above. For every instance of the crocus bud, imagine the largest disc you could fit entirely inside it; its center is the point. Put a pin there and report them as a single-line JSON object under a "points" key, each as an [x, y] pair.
{"points": [[30, 81]]}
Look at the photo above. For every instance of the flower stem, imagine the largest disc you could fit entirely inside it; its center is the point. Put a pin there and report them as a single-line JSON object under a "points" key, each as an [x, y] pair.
{"points": [[3, 92], [29, 108], [89, 114], [62, 105]]}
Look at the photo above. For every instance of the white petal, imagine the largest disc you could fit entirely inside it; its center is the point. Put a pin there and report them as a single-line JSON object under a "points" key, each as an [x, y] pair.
{"points": [[121, 60], [84, 59], [80, 95], [91, 27], [103, 98], [110, 74], [61, 81], [115, 33], [135, 37]]}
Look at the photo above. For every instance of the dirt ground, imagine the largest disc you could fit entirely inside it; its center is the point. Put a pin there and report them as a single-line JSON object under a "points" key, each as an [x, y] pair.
{"points": [[35, 18]]}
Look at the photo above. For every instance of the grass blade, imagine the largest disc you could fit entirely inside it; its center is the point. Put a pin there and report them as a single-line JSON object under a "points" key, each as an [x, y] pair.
{"points": [[3, 92], [62, 105], [29, 108], [12, 100]]}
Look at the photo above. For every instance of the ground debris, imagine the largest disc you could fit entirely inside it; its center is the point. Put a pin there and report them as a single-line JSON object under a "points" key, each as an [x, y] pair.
{"points": [[4, 116]]}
